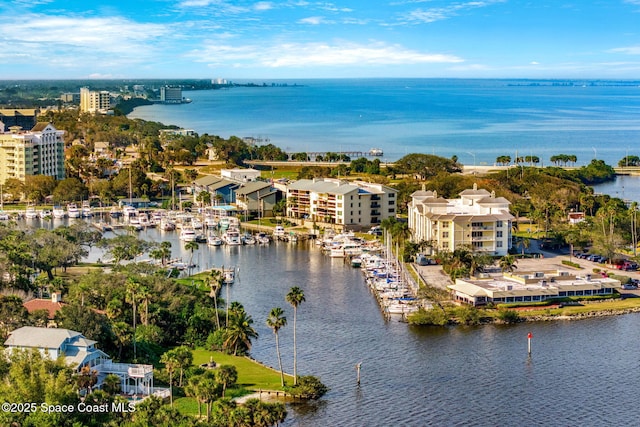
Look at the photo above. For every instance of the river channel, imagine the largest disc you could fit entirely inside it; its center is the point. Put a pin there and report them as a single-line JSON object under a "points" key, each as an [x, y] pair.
{"points": [[580, 372]]}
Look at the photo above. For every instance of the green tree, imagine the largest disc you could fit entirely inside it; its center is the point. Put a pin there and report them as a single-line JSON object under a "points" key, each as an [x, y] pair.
{"points": [[226, 376], [69, 190], [171, 362], [507, 263], [276, 321], [239, 332], [191, 247], [295, 297]]}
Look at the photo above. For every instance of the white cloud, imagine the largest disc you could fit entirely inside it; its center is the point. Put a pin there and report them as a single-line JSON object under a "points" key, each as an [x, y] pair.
{"points": [[629, 50], [300, 55], [534, 63], [263, 5], [312, 20], [426, 16]]}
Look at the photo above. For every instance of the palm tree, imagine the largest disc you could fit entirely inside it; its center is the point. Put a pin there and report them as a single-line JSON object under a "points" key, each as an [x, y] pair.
{"points": [[239, 332], [133, 288], [275, 321], [191, 246], [215, 282], [122, 333], [226, 375], [171, 363], [295, 297], [507, 263]]}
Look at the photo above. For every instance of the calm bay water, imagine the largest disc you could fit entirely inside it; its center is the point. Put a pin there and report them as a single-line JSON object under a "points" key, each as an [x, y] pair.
{"points": [[581, 373], [477, 120]]}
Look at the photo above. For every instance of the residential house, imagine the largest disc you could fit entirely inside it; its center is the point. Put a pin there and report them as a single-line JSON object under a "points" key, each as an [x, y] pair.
{"points": [[240, 175], [257, 198], [222, 190]]}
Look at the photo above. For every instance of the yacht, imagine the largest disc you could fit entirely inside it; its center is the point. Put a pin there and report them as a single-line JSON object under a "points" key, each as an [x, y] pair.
{"points": [[3, 215], [376, 152], [45, 214], [248, 239], [31, 213], [73, 211], [232, 237], [59, 212], [86, 210], [214, 240], [188, 235]]}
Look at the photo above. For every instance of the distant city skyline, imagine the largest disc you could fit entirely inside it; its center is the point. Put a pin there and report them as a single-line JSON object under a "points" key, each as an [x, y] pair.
{"points": [[234, 40]]}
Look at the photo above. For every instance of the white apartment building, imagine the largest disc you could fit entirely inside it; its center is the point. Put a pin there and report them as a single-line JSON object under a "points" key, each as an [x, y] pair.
{"points": [[478, 219], [39, 151], [171, 95], [94, 101], [352, 205]]}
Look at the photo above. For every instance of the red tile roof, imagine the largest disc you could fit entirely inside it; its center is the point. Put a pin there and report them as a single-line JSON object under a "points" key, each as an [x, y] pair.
{"points": [[43, 304]]}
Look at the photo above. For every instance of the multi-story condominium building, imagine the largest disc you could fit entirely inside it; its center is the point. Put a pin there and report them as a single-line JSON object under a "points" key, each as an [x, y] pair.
{"points": [[478, 219], [171, 95], [39, 151], [26, 118], [352, 205], [94, 101]]}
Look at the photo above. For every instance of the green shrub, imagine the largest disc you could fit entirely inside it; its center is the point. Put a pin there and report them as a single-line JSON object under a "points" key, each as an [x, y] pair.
{"points": [[433, 317], [467, 315], [508, 316], [309, 387], [571, 263]]}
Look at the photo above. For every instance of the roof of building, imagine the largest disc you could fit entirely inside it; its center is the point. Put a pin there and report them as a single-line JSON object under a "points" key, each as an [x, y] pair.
{"points": [[252, 187], [40, 126], [31, 336], [207, 180], [43, 304]]}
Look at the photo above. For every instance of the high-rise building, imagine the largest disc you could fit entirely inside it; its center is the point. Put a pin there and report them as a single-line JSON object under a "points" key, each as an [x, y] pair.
{"points": [[26, 118], [94, 101], [171, 95], [39, 151]]}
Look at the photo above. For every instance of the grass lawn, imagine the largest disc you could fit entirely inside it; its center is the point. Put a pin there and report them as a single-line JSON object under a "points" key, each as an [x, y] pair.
{"points": [[572, 310], [251, 376]]}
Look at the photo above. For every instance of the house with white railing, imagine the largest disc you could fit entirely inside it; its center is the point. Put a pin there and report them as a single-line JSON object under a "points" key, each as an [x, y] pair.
{"points": [[80, 352]]}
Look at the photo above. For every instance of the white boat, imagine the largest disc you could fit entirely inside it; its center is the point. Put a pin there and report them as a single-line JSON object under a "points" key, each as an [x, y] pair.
{"points": [[278, 232], [401, 307], [115, 212], [188, 235], [213, 240], [376, 152], [232, 237], [167, 225], [196, 224], [59, 212], [31, 213], [229, 276], [45, 213], [4, 216], [263, 238], [248, 239], [86, 210], [73, 211]]}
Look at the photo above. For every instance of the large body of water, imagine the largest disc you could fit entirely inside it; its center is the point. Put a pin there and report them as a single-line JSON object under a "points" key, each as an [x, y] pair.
{"points": [[581, 373], [477, 120]]}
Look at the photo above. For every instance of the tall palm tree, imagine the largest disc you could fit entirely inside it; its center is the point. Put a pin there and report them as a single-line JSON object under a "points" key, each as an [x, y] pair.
{"points": [[171, 363], [133, 288], [215, 282], [239, 332], [275, 321], [191, 246], [295, 297]]}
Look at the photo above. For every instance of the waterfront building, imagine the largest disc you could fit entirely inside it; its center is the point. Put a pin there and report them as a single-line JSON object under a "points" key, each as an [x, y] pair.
{"points": [[478, 219], [350, 204], [26, 118], [82, 353], [39, 151], [222, 190], [257, 198], [529, 287], [171, 95], [94, 101]]}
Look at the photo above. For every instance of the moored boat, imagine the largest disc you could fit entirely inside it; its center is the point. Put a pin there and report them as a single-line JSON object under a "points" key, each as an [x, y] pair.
{"points": [[188, 235], [73, 211]]}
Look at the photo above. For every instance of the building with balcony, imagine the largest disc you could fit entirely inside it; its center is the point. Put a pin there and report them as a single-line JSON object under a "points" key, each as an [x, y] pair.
{"points": [[81, 352], [478, 219], [257, 198], [351, 205], [39, 151], [94, 101]]}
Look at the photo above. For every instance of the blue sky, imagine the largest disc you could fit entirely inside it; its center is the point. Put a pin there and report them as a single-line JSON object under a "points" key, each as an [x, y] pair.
{"points": [[316, 39]]}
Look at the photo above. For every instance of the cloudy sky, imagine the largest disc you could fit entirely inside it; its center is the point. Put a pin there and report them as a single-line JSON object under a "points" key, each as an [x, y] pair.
{"points": [[306, 39]]}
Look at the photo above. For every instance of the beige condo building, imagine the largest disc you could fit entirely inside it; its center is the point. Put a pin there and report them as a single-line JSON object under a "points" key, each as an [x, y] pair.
{"points": [[39, 151], [478, 219], [94, 101]]}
